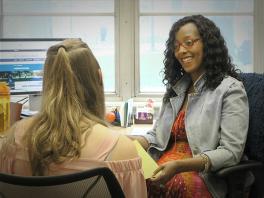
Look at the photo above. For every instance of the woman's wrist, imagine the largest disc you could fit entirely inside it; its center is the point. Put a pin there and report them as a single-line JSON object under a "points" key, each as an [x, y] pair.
{"points": [[144, 142], [199, 163], [141, 139], [206, 162]]}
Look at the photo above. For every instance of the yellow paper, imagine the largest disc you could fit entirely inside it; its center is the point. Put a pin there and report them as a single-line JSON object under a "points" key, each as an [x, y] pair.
{"points": [[148, 164]]}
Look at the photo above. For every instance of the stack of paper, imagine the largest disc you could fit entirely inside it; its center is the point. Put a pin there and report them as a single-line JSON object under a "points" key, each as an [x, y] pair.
{"points": [[126, 113], [148, 164]]}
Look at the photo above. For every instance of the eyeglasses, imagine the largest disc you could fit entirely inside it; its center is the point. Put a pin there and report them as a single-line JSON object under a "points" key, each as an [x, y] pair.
{"points": [[187, 44]]}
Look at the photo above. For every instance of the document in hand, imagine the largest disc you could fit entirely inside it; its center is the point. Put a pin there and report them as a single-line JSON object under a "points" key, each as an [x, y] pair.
{"points": [[148, 164]]}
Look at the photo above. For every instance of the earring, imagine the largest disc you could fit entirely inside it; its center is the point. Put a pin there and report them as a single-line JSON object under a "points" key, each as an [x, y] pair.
{"points": [[181, 71]]}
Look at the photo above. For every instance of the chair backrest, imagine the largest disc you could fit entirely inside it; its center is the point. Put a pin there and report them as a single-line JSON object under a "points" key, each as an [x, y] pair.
{"points": [[15, 112], [254, 85], [98, 182]]}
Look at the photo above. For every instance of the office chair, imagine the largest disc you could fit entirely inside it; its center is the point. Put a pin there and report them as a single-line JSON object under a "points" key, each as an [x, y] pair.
{"points": [[98, 182], [247, 178]]}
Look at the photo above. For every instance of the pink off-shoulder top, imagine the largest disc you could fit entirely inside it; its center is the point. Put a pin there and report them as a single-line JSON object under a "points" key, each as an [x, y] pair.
{"points": [[14, 160]]}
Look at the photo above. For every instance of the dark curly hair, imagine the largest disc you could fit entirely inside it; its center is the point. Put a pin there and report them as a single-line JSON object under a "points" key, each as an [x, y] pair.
{"points": [[216, 60]]}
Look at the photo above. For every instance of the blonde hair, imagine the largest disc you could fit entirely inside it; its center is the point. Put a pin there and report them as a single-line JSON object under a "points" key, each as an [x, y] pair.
{"points": [[72, 94]]}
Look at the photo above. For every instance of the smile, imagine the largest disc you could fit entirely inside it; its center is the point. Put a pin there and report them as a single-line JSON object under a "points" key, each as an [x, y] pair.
{"points": [[187, 59]]}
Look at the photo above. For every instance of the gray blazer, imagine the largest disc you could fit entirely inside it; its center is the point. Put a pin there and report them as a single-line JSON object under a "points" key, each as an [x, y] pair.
{"points": [[216, 123]]}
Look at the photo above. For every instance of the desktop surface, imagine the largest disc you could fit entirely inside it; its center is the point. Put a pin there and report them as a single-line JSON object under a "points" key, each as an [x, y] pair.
{"points": [[135, 129]]}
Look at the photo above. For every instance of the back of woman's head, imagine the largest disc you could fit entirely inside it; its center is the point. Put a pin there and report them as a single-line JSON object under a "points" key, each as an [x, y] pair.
{"points": [[72, 94], [216, 60], [72, 75]]}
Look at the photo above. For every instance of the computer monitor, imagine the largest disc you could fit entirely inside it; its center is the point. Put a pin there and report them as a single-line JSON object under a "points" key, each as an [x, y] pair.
{"points": [[21, 63]]}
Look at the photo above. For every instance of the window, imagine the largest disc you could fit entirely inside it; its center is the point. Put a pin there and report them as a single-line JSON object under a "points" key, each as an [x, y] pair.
{"points": [[234, 18], [128, 36]]}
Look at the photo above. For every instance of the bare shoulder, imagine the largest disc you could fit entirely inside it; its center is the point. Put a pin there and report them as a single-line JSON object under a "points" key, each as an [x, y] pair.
{"points": [[22, 125], [26, 121], [124, 149]]}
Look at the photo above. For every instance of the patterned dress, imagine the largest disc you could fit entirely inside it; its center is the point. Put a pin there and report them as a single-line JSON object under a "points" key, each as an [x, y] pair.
{"points": [[182, 185]]}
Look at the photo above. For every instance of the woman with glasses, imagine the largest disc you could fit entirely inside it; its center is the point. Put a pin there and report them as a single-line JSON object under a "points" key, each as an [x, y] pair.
{"points": [[203, 122]]}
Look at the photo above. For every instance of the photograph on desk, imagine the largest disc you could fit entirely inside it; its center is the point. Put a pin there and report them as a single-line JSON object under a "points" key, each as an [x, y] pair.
{"points": [[144, 115]]}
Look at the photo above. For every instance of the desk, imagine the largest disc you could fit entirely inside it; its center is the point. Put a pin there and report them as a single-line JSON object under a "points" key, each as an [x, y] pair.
{"points": [[135, 129]]}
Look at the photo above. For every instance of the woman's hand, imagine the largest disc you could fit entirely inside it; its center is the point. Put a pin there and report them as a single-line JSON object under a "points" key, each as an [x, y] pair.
{"points": [[143, 141], [166, 171]]}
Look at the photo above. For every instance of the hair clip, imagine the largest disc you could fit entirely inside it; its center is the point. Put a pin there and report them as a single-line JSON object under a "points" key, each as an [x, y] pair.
{"points": [[62, 47]]}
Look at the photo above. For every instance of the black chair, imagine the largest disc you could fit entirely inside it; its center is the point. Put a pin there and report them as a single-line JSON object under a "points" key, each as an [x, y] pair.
{"points": [[247, 178], [99, 182]]}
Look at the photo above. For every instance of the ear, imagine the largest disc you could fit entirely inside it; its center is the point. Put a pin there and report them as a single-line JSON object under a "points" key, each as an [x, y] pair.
{"points": [[100, 76]]}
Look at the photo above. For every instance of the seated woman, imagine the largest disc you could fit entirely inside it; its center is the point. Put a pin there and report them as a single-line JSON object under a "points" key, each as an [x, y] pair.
{"points": [[203, 122], [69, 133]]}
